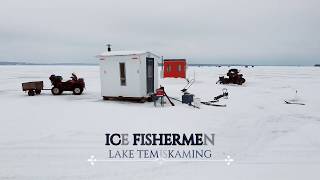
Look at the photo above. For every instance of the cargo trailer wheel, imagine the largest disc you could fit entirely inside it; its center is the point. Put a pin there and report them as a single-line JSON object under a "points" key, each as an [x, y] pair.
{"points": [[56, 91], [31, 93], [38, 91], [77, 91]]}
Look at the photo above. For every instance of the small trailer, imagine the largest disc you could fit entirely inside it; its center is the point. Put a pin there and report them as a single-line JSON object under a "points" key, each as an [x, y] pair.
{"points": [[33, 88]]}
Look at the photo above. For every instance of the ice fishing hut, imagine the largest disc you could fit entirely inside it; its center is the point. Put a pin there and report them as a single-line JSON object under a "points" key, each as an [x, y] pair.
{"points": [[128, 75], [174, 68]]}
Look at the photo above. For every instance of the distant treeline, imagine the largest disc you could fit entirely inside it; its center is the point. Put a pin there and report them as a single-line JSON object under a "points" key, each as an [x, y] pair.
{"points": [[54, 64], [95, 64], [86, 64], [217, 65], [14, 63]]}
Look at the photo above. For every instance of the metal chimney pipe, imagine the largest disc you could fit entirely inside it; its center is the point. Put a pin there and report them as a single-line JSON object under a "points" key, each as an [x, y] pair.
{"points": [[109, 47]]}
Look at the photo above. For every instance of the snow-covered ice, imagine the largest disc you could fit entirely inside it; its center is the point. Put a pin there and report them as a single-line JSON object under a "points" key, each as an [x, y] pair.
{"points": [[51, 137]]}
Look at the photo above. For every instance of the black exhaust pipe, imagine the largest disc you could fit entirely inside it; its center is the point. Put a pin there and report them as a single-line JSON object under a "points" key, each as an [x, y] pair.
{"points": [[109, 47]]}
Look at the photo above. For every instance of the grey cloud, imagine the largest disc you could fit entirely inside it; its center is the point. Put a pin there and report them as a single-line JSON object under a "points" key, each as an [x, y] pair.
{"points": [[205, 31]]}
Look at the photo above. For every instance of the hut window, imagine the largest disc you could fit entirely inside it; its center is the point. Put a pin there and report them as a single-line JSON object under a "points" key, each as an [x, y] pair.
{"points": [[150, 71], [179, 68], [169, 68], [122, 74]]}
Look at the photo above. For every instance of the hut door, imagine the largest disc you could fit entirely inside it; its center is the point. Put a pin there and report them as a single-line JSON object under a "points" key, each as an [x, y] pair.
{"points": [[150, 75]]}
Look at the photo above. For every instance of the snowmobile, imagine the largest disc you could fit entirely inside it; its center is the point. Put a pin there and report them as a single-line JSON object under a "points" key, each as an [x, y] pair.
{"points": [[233, 78]]}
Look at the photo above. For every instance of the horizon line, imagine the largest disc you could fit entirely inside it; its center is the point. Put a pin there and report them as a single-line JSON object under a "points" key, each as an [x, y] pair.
{"points": [[190, 64]]}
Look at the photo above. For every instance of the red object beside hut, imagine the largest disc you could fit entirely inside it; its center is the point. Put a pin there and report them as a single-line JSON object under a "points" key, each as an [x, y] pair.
{"points": [[174, 68]]}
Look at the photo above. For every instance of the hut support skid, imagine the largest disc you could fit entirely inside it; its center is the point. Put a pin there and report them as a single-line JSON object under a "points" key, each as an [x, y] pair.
{"points": [[128, 99]]}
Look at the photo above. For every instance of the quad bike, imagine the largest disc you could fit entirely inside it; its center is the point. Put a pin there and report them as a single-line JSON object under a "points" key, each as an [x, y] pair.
{"points": [[76, 85], [233, 78]]}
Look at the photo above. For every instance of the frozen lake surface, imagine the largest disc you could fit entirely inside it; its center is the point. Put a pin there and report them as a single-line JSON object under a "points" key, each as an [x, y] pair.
{"points": [[51, 137]]}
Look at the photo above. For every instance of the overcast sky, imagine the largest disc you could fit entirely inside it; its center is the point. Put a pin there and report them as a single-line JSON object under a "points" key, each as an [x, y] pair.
{"points": [[202, 31]]}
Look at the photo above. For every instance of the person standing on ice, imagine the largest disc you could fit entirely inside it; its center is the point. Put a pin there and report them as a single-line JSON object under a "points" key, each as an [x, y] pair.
{"points": [[159, 94]]}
